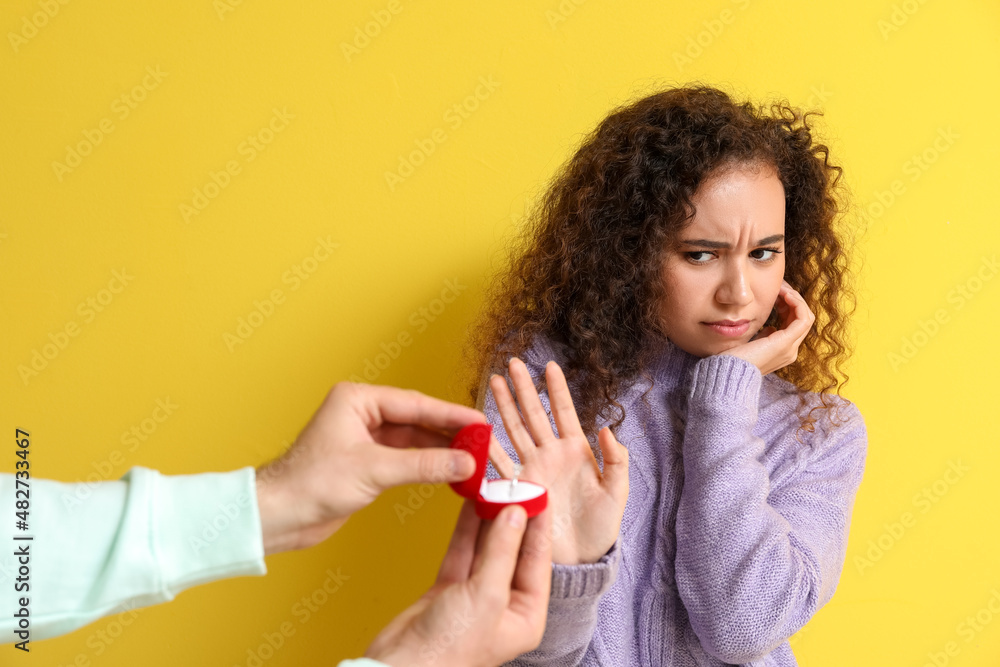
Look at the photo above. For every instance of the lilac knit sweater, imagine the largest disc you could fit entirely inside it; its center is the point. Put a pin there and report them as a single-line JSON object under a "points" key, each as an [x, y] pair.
{"points": [[734, 533]]}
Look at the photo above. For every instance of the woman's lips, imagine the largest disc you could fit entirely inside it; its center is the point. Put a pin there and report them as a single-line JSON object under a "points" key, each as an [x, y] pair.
{"points": [[729, 330]]}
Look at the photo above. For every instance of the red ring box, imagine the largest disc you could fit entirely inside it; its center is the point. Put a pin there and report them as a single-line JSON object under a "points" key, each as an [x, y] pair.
{"points": [[493, 495]]}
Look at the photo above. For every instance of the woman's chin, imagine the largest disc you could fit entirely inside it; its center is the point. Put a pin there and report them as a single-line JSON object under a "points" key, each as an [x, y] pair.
{"points": [[718, 347], [705, 347]]}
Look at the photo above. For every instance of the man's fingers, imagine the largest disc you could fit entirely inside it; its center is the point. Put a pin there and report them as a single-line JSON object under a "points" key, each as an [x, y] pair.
{"points": [[457, 563], [379, 404], [392, 467], [499, 549], [533, 573], [408, 435]]}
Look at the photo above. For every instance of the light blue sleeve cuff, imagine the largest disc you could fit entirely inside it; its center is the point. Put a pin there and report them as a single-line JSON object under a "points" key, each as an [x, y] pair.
{"points": [[107, 547], [207, 527], [361, 662]]}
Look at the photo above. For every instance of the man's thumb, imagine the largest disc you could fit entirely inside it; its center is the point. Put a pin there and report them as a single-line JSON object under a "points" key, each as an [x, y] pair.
{"points": [[432, 465]]}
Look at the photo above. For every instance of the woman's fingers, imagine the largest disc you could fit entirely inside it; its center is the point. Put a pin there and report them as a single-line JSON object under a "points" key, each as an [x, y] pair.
{"points": [[562, 402], [615, 477], [534, 413], [519, 437], [501, 461], [765, 332], [783, 306], [799, 318]]}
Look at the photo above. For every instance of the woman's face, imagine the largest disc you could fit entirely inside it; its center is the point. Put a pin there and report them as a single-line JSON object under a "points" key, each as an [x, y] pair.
{"points": [[729, 264]]}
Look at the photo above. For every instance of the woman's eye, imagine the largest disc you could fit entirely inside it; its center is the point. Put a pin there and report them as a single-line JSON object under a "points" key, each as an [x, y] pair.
{"points": [[774, 252], [693, 256]]}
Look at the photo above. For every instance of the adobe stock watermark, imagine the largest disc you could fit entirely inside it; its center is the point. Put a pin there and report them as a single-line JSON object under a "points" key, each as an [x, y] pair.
{"points": [[915, 168], [249, 149], [112, 628], [223, 7], [957, 296], [797, 637], [899, 16], [419, 320], [88, 309], [363, 35], [923, 500], [701, 41], [31, 24], [563, 11], [226, 514], [454, 116], [302, 610], [131, 440], [433, 647], [122, 107], [967, 629], [418, 495], [294, 277], [817, 97]]}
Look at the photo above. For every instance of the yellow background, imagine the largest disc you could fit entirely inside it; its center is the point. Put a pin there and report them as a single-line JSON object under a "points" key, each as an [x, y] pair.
{"points": [[891, 78]]}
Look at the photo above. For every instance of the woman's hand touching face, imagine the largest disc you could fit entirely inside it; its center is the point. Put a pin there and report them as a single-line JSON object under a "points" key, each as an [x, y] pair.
{"points": [[773, 348], [587, 505]]}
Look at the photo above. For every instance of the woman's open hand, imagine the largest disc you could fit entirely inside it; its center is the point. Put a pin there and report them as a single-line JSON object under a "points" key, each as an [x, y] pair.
{"points": [[773, 348], [587, 505]]}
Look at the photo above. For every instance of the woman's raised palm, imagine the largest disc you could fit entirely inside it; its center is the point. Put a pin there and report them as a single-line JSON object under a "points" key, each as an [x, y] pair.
{"points": [[587, 505]]}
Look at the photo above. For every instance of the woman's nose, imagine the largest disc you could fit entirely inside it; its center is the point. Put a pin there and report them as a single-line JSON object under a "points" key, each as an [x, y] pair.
{"points": [[735, 289]]}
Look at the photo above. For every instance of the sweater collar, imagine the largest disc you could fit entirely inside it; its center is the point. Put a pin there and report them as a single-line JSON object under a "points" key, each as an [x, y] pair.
{"points": [[672, 365]]}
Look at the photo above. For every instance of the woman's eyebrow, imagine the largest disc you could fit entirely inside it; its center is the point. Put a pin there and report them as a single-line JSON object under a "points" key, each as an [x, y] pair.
{"points": [[705, 243]]}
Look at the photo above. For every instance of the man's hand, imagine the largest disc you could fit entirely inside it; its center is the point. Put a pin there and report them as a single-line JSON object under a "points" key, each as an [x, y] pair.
{"points": [[490, 600], [353, 448]]}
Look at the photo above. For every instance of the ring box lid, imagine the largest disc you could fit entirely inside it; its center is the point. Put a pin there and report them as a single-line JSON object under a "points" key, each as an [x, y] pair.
{"points": [[475, 439], [492, 496]]}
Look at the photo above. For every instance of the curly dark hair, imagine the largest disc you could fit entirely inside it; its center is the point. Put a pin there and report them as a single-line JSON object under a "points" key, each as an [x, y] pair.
{"points": [[587, 270]]}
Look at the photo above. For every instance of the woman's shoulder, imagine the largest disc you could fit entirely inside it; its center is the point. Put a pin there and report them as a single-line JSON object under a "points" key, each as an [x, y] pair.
{"points": [[543, 349], [834, 443], [782, 401]]}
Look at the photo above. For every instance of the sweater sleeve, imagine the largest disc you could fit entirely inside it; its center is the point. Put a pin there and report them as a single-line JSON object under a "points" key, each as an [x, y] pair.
{"points": [[576, 589], [108, 547], [755, 562]]}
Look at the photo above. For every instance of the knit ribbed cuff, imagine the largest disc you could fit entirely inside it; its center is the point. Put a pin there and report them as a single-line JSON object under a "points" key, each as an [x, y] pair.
{"points": [[586, 580], [205, 526], [724, 379]]}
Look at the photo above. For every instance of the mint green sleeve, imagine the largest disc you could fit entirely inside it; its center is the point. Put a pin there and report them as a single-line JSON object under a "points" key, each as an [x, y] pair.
{"points": [[105, 547]]}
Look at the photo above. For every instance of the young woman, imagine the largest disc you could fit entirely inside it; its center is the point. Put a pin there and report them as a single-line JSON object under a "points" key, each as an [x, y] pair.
{"points": [[688, 271]]}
